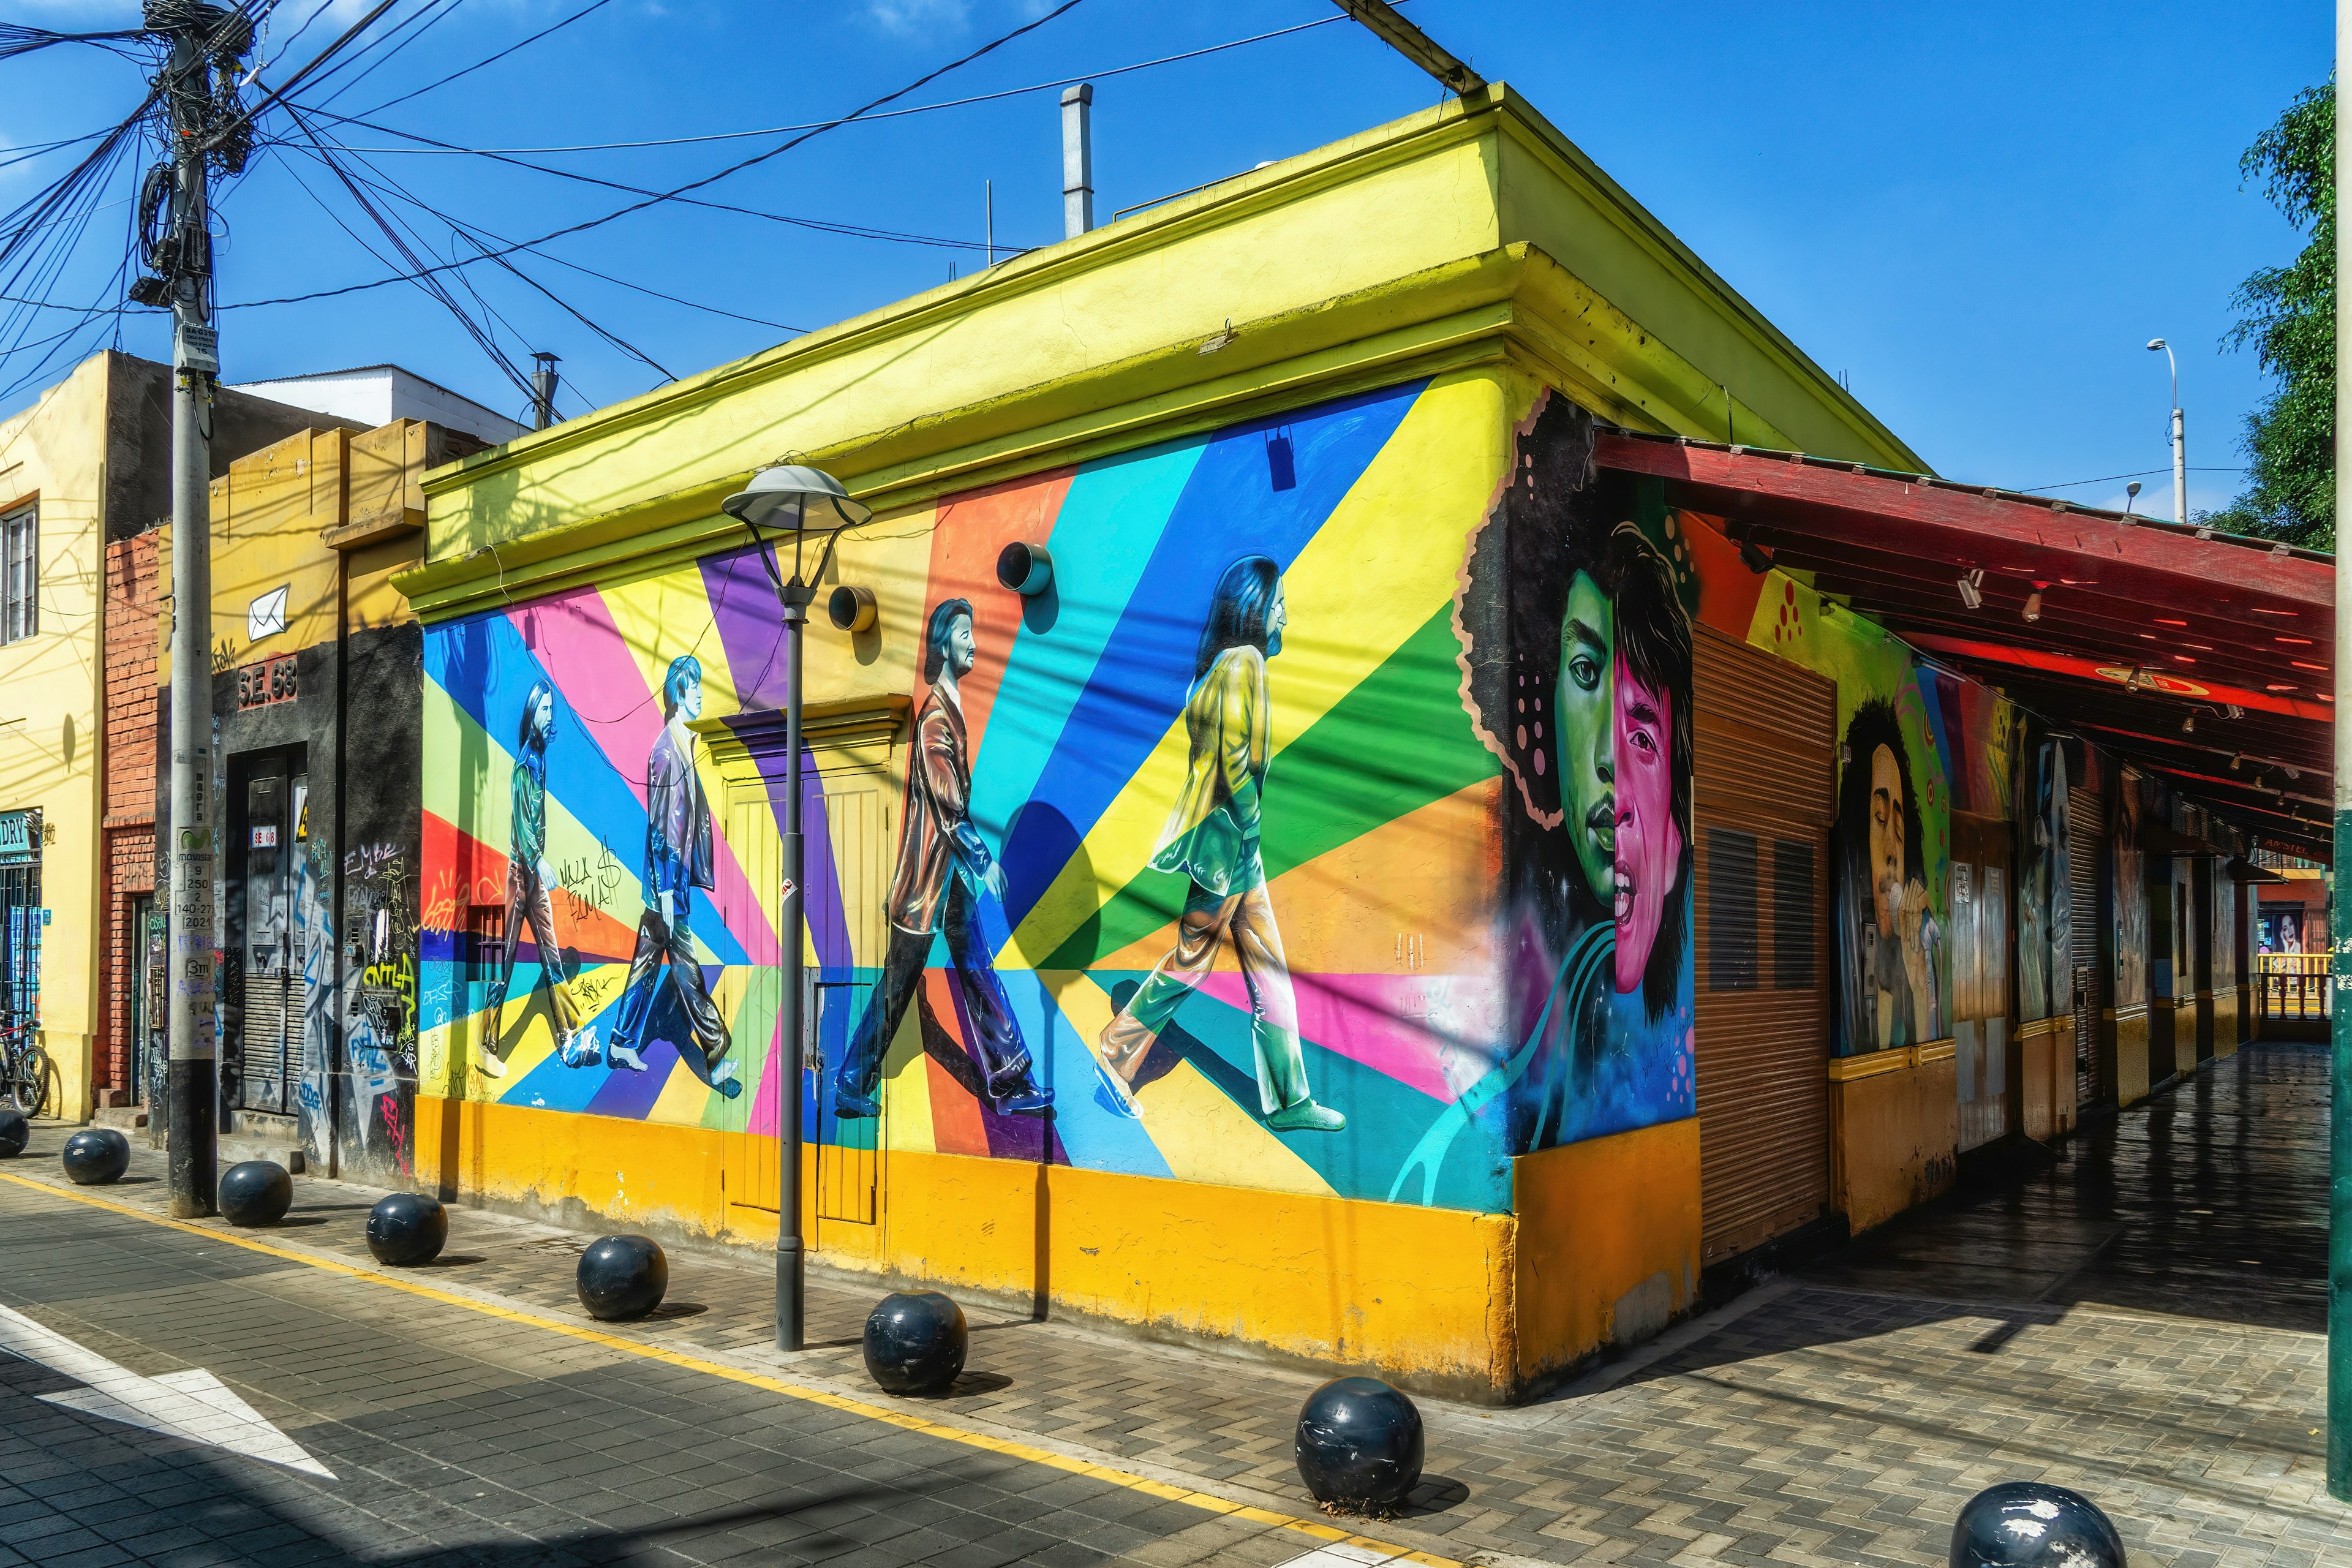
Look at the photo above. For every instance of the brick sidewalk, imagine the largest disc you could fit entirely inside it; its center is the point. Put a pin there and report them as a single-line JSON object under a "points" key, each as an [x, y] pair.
{"points": [[1808, 1423]]}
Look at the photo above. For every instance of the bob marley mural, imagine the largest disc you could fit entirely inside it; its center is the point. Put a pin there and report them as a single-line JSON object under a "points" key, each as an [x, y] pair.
{"points": [[1890, 934]]}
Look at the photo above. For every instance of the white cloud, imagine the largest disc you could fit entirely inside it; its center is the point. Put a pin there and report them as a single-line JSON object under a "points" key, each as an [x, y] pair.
{"points": [[911, 16]]}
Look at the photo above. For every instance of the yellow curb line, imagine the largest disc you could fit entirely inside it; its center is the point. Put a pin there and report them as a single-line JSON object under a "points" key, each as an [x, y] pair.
{"points": [[1323, 1533]]}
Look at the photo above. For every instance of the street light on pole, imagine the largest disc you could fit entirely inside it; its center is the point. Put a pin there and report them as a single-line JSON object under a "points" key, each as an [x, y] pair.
{"points": [[2179, 438], [791, 499]]}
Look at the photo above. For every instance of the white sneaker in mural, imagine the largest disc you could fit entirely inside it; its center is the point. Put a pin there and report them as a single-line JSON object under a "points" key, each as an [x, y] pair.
{"points": [[620, 1056], [581, 1050], [488, 1063]]}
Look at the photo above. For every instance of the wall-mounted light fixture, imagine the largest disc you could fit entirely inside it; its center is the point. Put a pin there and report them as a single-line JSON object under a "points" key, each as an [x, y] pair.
{"points": [[851, 609], [1972, 588], [1026, 569], [1754, 556], [2189, 725], [2032, 611]]}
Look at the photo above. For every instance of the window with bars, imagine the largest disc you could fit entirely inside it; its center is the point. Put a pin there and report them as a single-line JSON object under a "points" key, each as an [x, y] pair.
{"points": [[1737, 896], [20, 574]]}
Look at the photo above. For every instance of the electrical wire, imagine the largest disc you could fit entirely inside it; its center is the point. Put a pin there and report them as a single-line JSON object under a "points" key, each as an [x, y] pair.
{"points": [[592, 6], [426, 279], [475, 231], [385, 46], [463, 232], [821, 225], [447, 148], [672, 195]]}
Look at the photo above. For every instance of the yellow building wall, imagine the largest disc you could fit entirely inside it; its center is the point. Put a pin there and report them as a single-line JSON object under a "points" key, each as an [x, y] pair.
{"points": [[1894, 1130], [51, 734], [1608, 1244]]}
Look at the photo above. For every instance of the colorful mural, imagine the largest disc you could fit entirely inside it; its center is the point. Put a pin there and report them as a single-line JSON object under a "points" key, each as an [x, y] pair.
{"points": [[2045, 939], [1194, 865], [2133, 960]]}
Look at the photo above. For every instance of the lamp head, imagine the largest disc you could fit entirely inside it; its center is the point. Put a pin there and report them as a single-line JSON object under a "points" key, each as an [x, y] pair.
{"points": [[785, 496], [2155, 343]]}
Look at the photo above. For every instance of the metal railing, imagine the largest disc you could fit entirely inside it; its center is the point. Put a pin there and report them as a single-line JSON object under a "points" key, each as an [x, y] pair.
{"points": [[2293, 986]]}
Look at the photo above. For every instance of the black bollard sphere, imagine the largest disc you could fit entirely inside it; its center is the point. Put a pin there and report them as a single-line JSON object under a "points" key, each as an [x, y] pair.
{"points": [[623, 1277], [915, 1343], [15, 1131], [255, 1192], [407, 1228], [2025, 1524], [97, 1155], [1359, 1444]]}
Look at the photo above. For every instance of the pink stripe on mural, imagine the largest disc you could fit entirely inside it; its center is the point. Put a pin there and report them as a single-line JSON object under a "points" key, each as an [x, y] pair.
{"points": [[766, 1102], [583, 653], [1394, 1024]]}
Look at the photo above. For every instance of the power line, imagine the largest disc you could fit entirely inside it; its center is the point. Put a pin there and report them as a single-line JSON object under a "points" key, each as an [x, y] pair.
{"points": [[222, 134], [592, 6], [450, 148], [463, 231], [415, 25], [825, 226], [707, 179], [477, 229], [2139, 474]]}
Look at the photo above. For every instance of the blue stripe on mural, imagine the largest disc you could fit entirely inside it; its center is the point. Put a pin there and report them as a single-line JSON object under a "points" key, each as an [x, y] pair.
{"points": [[1229, 507], [483, 667], [1109, 508], [1385, 1118], [1096, 1139]]}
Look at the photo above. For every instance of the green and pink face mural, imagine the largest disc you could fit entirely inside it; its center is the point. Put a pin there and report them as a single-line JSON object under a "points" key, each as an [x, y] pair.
{"points": [[1326, 827]]}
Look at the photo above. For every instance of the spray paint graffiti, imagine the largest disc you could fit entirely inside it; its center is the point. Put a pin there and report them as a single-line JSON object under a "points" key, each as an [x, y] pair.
{"points": [[379, 1002], [317, 936]]}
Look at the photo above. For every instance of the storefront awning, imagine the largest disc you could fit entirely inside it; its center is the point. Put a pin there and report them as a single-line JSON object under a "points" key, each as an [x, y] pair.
{"points": [[2201, 657]]}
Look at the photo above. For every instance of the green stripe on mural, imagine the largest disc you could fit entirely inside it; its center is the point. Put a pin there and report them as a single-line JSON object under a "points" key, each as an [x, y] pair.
{"points": [[1396, 742]]}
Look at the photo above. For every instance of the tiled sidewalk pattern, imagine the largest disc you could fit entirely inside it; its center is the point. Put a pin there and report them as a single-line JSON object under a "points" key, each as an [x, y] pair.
{"points": [[2133, 1323]]}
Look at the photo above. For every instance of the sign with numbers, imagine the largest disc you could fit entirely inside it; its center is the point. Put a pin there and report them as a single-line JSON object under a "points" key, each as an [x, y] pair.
{"points": [[259, 685]]}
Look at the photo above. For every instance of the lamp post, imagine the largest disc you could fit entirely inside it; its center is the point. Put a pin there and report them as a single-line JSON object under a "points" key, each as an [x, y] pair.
{"points": [[794, 500], [2179, 437]]}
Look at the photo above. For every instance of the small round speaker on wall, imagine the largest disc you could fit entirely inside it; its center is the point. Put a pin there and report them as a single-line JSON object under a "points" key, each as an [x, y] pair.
{"points": [[851, 609], [1026, 569]]}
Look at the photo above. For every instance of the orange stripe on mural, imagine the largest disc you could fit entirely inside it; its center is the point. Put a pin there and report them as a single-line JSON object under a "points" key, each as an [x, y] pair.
{"points": [[461, 871], [972, 529]]}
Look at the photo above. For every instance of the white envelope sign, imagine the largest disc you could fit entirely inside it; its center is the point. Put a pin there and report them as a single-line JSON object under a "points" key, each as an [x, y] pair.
{"points": [[266, 616]]}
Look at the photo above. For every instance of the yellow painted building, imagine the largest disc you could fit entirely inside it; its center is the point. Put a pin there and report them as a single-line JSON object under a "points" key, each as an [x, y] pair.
{"points": [[1211, 938]]}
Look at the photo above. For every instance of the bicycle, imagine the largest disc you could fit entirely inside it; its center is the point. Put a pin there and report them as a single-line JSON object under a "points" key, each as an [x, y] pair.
{"points": [[23, 1070]]}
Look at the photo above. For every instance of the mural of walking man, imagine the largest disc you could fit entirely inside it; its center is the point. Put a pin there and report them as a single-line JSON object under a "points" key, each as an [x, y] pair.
{"points": [[679, 857], [943, 864], [529, 877], [1212, 837]]}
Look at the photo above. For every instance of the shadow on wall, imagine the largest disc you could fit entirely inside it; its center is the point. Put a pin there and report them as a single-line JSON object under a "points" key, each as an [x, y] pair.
{"points": [[1040, 830]]}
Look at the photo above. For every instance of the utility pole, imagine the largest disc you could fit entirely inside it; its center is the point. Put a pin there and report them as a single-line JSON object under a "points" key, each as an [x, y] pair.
{"points": [[1413, 44], [2339, 907], [1077, 159], [2179, 438], [206, 43]]}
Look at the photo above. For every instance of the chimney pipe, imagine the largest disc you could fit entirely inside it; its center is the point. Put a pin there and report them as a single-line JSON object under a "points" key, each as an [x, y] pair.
{"points": [[1077, 160], [542, 391]]}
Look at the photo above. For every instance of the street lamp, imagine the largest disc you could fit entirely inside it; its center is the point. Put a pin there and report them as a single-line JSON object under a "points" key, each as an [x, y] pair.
{"points": [[2179, 438], [798, 500]]}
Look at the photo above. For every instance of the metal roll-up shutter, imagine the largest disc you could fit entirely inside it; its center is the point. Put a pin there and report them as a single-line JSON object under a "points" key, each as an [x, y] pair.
{"points": [[2086, 839], [1764, 795]]}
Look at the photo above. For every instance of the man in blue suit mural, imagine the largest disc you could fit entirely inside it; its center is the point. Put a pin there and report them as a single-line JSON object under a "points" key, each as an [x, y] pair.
{"points": [[679, 857], [943, 864]]}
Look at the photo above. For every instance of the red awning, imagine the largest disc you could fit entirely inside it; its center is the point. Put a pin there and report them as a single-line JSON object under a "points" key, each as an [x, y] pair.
{"points": [[2207, 659]]}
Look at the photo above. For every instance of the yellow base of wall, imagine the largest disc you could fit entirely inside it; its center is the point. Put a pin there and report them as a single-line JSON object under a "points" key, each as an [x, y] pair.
{"points": [[1895, 1129], [1608, 1244], [2046, 1079], [2131, 1028], [71, 1057], [2229, 1008], [1440, 1300]]}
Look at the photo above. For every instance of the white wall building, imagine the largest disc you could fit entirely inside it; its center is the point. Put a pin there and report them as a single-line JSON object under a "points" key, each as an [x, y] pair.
{"points": [[376, 395]]}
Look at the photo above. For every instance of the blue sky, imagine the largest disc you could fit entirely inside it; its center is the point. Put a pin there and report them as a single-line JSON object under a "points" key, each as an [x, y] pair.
{"points": [[1977, 214]]}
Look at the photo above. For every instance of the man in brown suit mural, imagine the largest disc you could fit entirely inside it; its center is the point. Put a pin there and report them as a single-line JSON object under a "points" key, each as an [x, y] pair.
{"points": [[943, 863]]}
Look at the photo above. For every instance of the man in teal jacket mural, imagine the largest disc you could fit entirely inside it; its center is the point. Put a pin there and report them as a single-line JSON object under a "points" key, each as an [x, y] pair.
{"points": [[528, 903], [679, 857]]}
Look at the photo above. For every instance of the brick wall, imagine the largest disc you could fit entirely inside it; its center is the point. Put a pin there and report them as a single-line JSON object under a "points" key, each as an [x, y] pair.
{"points": [[129, 827]]}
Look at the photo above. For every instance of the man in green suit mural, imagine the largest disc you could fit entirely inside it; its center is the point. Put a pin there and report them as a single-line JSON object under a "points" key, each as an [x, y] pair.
{"points": [[528, 903], [1212, 838]]}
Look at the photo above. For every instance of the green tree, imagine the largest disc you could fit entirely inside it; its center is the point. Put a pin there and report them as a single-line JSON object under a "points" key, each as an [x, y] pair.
{"points": [[2288, 314]]}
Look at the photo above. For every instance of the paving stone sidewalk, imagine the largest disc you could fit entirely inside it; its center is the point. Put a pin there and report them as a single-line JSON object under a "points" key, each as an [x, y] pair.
{"points": [[1838, 1418]]}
